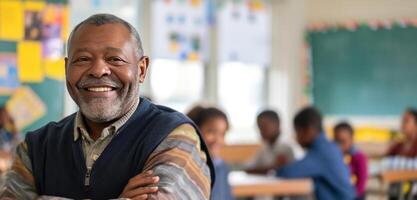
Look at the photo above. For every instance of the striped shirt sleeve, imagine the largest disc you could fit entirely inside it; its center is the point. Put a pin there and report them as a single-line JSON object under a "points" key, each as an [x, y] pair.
{"points": [[181, 166], [18, 181]]}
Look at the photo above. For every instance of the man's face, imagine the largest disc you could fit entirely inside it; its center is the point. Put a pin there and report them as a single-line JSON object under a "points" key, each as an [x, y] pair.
{"points": [[103, 71]]}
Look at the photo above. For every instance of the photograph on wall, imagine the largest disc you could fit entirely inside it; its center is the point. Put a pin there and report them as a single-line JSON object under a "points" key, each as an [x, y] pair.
{"points": [[8, 73], [33, 24]]}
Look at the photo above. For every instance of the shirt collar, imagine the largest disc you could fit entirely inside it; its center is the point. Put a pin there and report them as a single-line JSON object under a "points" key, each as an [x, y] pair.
{"points": [[81, 129], [320, 139]]}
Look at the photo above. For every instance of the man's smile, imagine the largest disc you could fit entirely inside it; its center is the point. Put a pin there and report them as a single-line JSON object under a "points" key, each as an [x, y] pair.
{"points": [[100, 89]]}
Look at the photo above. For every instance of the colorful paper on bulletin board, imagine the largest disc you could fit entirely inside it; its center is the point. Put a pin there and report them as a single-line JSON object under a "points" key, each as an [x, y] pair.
{"points": [[11, 20], [52, 31], [8, 73], [65, 23], [25, 107], [55, 69], [29, 61], [245, 32], [181, 30], [8, 46], [33, 19]]}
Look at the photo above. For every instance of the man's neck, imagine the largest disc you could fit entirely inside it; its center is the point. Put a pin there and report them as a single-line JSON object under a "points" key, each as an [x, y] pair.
{"points": [[95, 129]]}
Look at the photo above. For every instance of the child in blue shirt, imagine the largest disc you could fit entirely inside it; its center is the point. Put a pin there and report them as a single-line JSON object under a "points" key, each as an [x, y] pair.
{"points": [[214, 124], [323, 162]]}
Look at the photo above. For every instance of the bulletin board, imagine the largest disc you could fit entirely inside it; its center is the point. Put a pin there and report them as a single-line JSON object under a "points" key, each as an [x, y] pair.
{"points": [[180, 29], [32, 72], [244, 31], [364, 68]]}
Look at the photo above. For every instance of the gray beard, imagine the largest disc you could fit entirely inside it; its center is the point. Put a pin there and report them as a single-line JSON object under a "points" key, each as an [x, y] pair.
{"points": [[101, 110]]}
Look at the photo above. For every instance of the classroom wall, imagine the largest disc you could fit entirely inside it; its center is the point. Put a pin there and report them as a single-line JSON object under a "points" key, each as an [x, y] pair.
{"points": [[345, 10], [285, 83], [285, 76], [286, 89]]}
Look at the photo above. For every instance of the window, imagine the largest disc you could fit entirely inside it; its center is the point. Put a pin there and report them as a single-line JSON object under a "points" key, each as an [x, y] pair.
{"points": [[242, 94], [177, 84]]}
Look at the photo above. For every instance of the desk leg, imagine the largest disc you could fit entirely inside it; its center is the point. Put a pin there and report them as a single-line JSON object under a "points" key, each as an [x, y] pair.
{"points": [[413, 191], [395, 191]]}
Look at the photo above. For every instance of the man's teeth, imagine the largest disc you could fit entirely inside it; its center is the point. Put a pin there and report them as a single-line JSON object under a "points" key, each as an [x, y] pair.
{"points": [[99, 89]]}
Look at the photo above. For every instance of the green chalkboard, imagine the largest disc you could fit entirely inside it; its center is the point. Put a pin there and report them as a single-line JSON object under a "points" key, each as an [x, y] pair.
{"points": [[365, 71]]}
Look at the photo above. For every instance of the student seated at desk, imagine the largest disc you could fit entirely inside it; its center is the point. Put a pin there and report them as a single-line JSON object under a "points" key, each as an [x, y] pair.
{"points": [[9, 137], [323, 162], [408, 146], [273, 153], [356, 160], [214, 124]]}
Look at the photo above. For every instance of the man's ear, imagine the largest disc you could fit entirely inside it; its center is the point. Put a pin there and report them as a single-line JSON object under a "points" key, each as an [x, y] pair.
{"points": [[143, 68], [66, 65]]}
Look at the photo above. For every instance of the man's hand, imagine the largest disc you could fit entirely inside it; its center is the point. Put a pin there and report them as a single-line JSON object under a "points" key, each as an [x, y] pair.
{"points": [[141, 186]]}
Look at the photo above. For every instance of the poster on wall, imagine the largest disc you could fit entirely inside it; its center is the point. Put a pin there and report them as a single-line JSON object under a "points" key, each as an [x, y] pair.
{"points": [[180, 29], [8, 73], [32, 41], [244, 31], [25, 106]]}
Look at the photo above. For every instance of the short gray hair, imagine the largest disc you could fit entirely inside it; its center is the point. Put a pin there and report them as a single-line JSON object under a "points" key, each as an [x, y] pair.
{"points": [[102, 19]]}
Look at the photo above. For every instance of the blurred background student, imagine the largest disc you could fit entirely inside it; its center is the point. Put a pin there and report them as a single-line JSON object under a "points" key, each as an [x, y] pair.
{"points": [[8, 133], [354, 158], [273, 153], [323, 161], [9, 138], [407, 147], [214, 124]]}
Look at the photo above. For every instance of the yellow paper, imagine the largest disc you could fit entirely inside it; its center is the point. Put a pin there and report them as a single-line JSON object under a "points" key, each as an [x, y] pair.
{"points": [[65, 23], [55, 69], [34, 5], [25, 106], [29, 61], [11, 20]]}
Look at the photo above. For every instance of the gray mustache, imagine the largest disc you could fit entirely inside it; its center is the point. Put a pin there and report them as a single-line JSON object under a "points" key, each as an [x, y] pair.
{"points": [[98, 81]]}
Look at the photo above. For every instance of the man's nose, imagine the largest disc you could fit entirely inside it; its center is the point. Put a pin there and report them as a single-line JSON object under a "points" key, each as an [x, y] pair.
{"points": [[99, 69]]}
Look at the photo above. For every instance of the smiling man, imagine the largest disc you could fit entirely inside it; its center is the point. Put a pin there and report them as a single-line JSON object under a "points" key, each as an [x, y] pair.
{"points": [[117, 145]]}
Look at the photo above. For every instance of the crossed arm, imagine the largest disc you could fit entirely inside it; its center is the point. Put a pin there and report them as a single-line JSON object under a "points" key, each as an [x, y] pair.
{"points": [[177, 169]]}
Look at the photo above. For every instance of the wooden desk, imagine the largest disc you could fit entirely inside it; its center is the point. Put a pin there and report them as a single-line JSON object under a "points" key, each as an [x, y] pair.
{"points": [[399, 177], [388, 177], [245, 185], [239, 153]]}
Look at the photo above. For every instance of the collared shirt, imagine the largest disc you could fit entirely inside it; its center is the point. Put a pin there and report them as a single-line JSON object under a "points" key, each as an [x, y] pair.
{"points": [[323, 163], [178, 161], [268, 154], [93, 149]]}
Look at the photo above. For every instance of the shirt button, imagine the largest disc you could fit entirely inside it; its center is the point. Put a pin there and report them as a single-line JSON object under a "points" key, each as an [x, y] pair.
{"points": [[95, 157]]}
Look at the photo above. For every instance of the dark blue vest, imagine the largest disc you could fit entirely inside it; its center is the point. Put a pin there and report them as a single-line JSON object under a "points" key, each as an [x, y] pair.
{"points": [[59, 165]]}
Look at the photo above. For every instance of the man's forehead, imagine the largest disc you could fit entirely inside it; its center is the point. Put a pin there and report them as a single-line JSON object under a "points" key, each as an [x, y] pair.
{"points": [[91, 30], [99, 34]]}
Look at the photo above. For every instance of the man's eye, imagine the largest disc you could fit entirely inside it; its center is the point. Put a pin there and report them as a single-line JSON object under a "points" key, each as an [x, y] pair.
{"points": [[116, 60], [81, 59]]}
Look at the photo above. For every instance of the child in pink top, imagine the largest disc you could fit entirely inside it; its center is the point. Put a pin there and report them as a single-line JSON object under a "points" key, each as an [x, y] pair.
{"points": [[357, 161]]}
